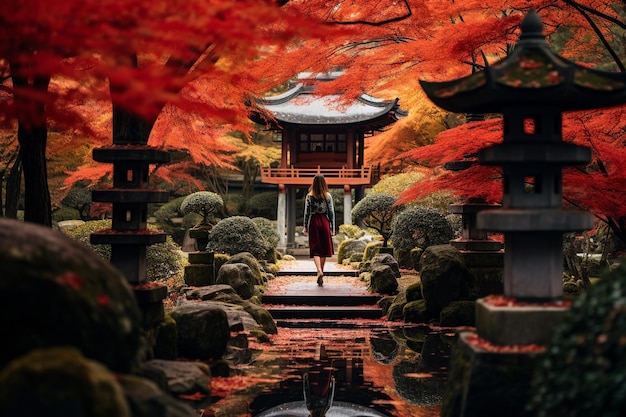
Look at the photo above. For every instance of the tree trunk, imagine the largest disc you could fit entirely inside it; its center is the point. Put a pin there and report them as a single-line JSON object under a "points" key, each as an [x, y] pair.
{"points": [[13, 189], [37, 205], [32, 135]]}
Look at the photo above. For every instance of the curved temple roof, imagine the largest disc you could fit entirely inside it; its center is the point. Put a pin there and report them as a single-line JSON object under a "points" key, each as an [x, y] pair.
{"points": [[300, 106], [532, 74]]}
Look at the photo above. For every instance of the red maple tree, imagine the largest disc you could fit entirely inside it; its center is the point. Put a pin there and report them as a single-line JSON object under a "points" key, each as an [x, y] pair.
{"points": [[139, 56]]}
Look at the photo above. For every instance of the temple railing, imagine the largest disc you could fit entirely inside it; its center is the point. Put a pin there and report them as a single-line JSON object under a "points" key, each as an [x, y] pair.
{"points": [[367, 175]]}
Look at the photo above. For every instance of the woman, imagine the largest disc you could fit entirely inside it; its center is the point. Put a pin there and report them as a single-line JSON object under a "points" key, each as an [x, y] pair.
{"points": [[319, 224]]}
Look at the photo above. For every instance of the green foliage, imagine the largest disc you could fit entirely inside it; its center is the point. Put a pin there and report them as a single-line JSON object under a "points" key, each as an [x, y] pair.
{"points": [[584, 368], [234, 204], [65, 213], [376, 211], [352, 231], [169, 210], [204, 203], [78, 197], [420, 227], [439, 201], [396, 184], [237, 234], [263, 205], [163, 260], [269, 231]]}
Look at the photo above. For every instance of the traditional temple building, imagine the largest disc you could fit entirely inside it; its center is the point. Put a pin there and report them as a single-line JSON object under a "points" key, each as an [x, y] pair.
{"points": [[321, 136]]}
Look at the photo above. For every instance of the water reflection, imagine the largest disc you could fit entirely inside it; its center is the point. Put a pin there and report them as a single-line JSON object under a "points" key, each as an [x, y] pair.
{"points": [[377, 372]]}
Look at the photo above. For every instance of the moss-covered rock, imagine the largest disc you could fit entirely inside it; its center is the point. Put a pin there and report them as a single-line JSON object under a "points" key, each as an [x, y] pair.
{"points": [[383, 280], [458, 313], [239, 276], [349, 247], [414, 292], [395, 311], [60, 382], [55, 291], [444, 277], [416, 312], [166, 335], [254, 265]]}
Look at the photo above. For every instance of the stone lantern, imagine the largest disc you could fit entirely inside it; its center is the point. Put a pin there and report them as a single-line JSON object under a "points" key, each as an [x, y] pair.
{"points": [[129, 235], [531, 88]]}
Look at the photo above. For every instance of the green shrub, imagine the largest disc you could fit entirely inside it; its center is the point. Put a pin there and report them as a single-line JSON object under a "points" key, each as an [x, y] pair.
{"points": [[169, 210], [420, 227], [263, 205], [65, 213], [163, 260], [584, 368], [376, 211], [269, 231], [237, 234], [204, 203]]}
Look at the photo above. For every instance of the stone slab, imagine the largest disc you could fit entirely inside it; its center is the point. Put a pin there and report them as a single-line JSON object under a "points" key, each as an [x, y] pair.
{"points": [[517, 325]]}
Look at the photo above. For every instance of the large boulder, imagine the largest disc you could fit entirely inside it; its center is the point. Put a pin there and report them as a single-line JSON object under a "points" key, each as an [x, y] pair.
{"points": [[146, 399], [239, 276], [226, 297], [383, 280], [55, 291], [60, 381], [182, 377], [203, 330], [389, 260], [252, 262], [444, 277], [350, 247]]}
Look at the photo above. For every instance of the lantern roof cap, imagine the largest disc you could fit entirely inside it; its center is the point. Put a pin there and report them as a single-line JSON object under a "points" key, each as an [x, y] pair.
{"points": [[531, 75]]}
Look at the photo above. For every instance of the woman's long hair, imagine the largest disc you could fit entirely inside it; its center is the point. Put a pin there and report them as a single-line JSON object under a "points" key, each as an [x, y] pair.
{"points": [[319, 189]]}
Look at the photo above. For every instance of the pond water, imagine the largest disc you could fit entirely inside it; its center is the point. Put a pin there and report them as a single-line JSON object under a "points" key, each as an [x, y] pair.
{"points": [[378, 370]]}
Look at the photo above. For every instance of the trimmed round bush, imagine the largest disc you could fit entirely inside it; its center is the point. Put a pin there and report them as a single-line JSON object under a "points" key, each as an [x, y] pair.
{"points": [[584, 368], [263, 205], [376, 211], [268, 230], [420, 228], [205, 203], [237, 234]]}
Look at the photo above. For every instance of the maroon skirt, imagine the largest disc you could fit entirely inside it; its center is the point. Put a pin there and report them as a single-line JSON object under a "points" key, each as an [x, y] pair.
{"points": [[320, 241]]}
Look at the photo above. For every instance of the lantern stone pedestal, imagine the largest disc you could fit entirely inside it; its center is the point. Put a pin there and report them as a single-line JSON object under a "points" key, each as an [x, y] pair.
{"points": [[532, 87], [129, 235], [201, 268]]}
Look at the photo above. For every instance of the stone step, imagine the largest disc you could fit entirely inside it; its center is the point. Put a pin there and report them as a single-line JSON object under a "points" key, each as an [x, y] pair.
{"points": [[356, 323], [308, 273], [324, 312], [321, 300]]}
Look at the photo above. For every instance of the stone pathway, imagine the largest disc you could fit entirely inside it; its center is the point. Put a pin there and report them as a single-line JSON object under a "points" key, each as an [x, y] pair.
{"points": [[293, 298]]}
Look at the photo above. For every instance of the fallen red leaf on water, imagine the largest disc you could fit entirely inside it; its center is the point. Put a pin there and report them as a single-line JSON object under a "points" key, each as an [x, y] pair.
{"points": [[502, 301], [225, 386], [479, 342], [192, 397]]}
